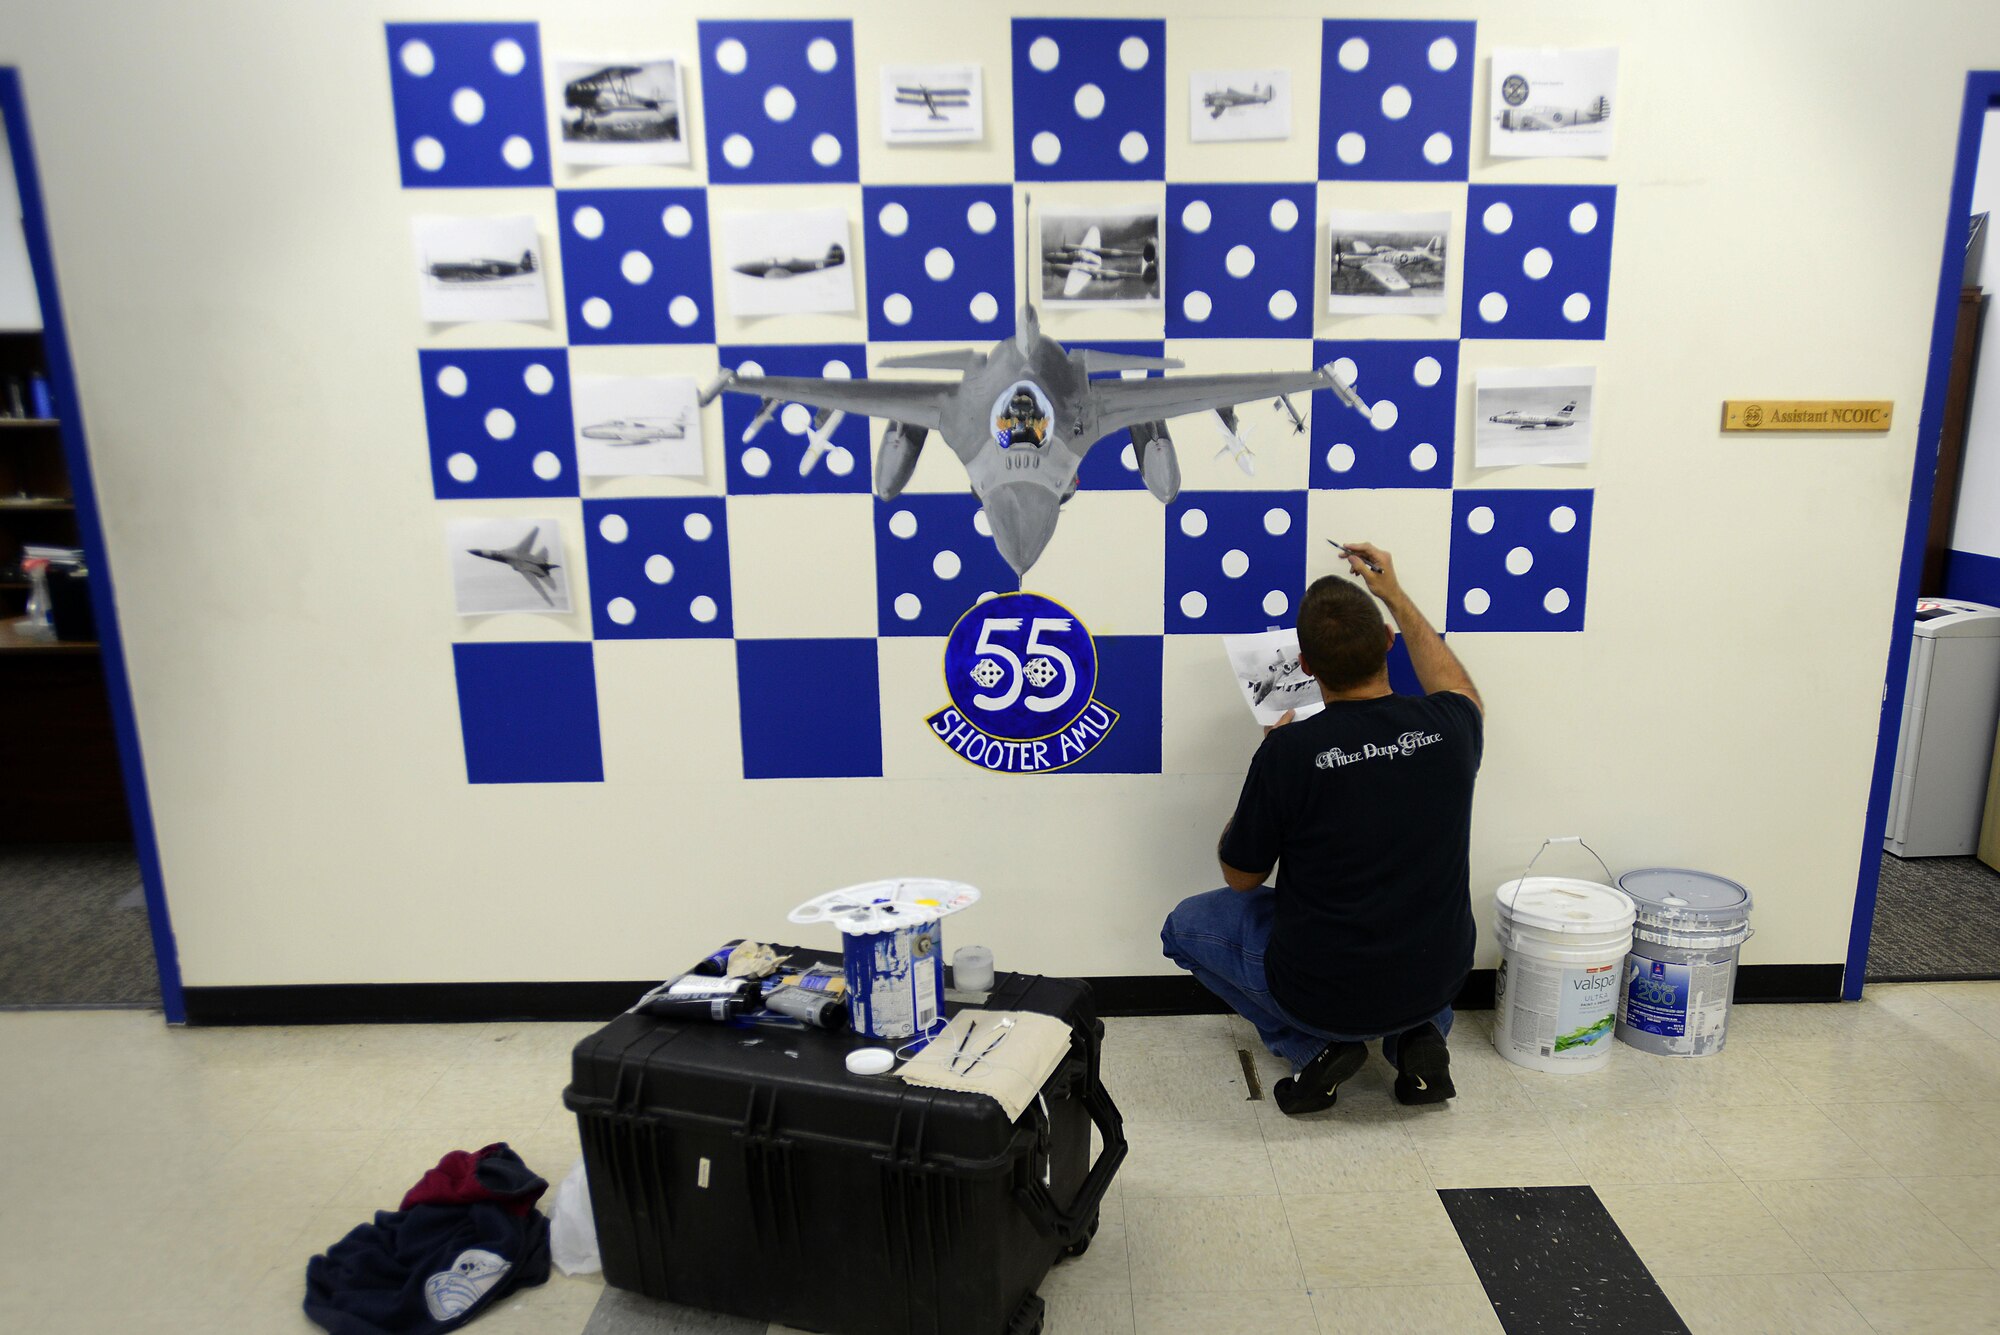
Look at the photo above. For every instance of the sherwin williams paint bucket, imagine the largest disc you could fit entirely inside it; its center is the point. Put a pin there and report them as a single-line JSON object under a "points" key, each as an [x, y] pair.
{"points": [[1563, 944], [892, 950], [895, 980], [1674, 999]]}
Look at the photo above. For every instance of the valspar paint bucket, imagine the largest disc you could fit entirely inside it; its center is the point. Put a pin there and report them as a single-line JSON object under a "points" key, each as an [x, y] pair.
{"points": [[1674, 998], [1563, 944]]}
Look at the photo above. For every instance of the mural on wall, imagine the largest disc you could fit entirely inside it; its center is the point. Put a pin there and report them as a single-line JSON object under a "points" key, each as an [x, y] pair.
{"points": [[1036, 425]]}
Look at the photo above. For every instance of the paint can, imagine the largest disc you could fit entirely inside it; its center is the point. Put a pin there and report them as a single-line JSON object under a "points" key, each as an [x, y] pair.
{"points": [[895, 980], [1674, 999], [1563, 944]]}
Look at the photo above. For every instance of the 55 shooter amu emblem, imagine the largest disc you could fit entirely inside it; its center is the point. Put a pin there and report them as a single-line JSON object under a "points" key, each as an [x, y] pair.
{"points": [[1021, 671]]}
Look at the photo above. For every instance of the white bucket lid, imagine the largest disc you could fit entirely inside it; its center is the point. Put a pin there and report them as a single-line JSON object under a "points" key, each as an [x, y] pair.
{"points": [[1561, 904], [1691, 900], [885, 906]]}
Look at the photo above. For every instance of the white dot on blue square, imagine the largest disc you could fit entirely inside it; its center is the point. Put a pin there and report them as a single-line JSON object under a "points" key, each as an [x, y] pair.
{"points": [[1520, 560], [940, 261], [498, 422], [1537, 260], [468, 102], [659, 568], [778, 101], [835, 732], [1236, 561], [528, 713], [1090, 99], [1113, 462], [770, 462], [934, 558], [635, 265], [1395, 100], [1242, 261], [1411, 387]]}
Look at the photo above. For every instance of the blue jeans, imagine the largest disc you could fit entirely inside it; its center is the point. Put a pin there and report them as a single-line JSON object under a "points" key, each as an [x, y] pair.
{"points": [[1220, 937]]}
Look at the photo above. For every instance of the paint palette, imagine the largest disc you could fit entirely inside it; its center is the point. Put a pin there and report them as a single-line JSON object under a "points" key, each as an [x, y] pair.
{"points": [[884, 906]]}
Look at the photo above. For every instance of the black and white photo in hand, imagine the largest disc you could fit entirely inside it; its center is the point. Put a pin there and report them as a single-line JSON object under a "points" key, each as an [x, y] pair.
{"points": [[1101, 256], [1270, 676], [621, 111], [1382, 263], [507, 565]]}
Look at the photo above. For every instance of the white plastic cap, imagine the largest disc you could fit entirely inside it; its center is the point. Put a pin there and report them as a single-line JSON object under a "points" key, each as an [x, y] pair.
{"points": [[870, 1061]]}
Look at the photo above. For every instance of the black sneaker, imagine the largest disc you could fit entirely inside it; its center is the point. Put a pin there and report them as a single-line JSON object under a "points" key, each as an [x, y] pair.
{"points": [[1423, 1065], [1316, 1087]]}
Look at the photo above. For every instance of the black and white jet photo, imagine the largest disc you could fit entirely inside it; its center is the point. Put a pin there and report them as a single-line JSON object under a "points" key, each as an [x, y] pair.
{"points": [[1532, 415], [788, 262], [932, 104], [1267, 671], [1225, 105], [1387, 263], [479, 269], [636, 426], [507, 565], [1101, 256], [620, 111]]}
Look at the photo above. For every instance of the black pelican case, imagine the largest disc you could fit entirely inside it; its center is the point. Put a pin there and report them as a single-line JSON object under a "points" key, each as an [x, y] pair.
{"points": [[745, 1170]]}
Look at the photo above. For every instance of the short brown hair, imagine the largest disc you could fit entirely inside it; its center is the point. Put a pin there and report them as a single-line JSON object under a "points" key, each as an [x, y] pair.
{"points": [[1341, 633]]}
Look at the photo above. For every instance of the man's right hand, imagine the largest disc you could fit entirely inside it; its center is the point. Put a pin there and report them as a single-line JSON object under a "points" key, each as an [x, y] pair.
{"points": [[1382, 583]]}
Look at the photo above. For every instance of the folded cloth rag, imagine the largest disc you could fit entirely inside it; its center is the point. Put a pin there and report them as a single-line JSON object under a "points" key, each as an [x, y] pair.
{"points": [[1013, 1072]]}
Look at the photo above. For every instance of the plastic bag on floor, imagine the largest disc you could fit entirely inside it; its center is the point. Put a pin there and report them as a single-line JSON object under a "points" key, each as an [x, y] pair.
{"points": [[572, 1228]]}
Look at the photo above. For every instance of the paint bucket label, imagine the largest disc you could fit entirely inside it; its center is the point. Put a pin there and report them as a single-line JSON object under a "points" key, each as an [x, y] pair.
{"points": [[1675, 1001], [895, 985], [1556, 1012]]}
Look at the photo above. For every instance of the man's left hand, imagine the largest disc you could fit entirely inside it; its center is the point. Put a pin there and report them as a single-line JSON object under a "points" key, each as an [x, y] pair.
{"points": [[1283, 719]]}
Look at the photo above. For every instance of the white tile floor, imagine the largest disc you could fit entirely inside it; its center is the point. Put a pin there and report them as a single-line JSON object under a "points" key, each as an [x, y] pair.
{"points": [[1837, 1169]]}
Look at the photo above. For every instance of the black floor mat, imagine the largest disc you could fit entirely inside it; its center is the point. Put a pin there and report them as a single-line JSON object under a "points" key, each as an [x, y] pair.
{"points": [[73, 931], [1935, 918]]}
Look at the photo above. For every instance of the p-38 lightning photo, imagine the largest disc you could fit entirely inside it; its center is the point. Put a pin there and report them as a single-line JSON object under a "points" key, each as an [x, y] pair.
{"points": [[1228, 99], [1525, 421], [1021, 416], [1084, 262], [528, 561], [785, 268]]}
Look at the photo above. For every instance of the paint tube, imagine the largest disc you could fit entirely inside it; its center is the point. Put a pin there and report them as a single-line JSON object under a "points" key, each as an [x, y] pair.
{"points": [[828, 978], [817, 1009], [716, 964], [718, 1009], [707, 988]]}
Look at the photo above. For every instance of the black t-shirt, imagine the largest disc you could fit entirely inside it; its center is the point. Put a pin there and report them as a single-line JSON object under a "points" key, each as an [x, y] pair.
{"points": [[1366, 808]]}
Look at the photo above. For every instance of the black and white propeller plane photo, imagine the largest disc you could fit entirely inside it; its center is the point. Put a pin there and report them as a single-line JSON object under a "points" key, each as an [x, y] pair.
{"points": [[1022, 415], [1220, 100], [934, 101], [785, 268]]}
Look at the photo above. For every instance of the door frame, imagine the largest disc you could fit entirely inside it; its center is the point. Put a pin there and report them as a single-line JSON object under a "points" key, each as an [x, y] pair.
{"points": [[1982, 93]]}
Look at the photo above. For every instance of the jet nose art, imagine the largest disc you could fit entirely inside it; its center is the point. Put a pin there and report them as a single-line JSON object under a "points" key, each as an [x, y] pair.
{"points": [[1023, 518]]}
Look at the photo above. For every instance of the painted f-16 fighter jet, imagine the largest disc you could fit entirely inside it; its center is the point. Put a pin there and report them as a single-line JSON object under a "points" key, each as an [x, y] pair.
{"points": [[1085, 261], [930, 99], [776, 268], [1384, 263], [527, 560], [1021, 416], [482, 270], [1228, 99], [1522, 421]]}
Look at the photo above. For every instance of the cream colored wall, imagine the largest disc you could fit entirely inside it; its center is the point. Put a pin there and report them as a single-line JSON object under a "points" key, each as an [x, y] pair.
{"points": [[234, 253], [19, 306]]}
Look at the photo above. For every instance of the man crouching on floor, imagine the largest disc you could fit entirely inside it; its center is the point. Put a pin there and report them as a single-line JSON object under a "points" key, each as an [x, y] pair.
{"points": [[1365, 809]]}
